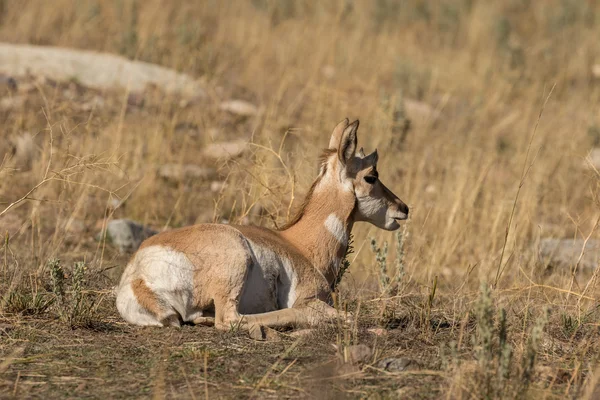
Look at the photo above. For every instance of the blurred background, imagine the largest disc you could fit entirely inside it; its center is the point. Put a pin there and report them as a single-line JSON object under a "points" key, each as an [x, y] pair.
{"points": [[452, 93], [122, 118]]}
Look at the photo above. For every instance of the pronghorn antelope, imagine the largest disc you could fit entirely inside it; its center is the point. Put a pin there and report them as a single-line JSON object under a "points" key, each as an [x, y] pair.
{"points": [[255, 277]]}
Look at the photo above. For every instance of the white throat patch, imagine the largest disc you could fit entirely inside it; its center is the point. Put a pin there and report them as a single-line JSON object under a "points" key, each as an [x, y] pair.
{"points": [[335, 226]]}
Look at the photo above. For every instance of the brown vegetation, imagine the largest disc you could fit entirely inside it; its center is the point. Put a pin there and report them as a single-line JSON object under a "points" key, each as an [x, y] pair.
{"points": [[483, 114]]}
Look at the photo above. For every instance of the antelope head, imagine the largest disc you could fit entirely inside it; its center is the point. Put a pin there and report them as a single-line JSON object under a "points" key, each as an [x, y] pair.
{"points": [[374, 202]]}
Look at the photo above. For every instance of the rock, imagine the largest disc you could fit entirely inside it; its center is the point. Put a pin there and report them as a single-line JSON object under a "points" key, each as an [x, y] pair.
{"points": [[23, 150], [126, 235], [187, 128], [135, 99], [114, 203], [217, 186], [11, 102], [96, 103], [355, 354], [596, 71], [224, 150], [328, 71], [239, 107], [393, 364], [8, 82], [431, 189], [593, 159], [564, 253], [378, 331], [420, 111], [93, 69], [179, 172]]}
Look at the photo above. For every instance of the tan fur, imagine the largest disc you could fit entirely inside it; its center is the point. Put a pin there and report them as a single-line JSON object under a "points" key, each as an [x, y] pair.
{"points": [[145, 296], [252, 276]]}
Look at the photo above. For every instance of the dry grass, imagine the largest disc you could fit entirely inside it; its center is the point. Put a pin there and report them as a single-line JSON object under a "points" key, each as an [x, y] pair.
{"points": [[486, 72]]}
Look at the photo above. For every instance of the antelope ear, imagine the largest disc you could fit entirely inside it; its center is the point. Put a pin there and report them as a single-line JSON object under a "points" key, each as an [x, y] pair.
{"points": [[336, 136], [361, 153], [348, 143]]}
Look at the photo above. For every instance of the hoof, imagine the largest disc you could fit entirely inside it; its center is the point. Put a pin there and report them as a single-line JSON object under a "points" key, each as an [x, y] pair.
{"points": [[257, 332]]}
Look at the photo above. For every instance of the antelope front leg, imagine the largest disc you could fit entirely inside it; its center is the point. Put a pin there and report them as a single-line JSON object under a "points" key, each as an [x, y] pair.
{"points": [[308, 314], [317, 311]]}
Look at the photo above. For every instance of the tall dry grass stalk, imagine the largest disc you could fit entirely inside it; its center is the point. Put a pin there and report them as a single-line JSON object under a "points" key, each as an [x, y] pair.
{"points": [[448, 91]]}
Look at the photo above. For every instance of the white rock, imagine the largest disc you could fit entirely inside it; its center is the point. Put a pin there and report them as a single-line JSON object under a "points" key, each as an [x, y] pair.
{"points": [[400, 364], [24, 150], [11, 102], [8, 82], [126, 235], [93, 69], [564, 253], [179, 172], [328, 71], [217, 186], [96, 103], [239, 107], [355, 354], [596, 71], [221, 150], [593, 159], [418, 110]]}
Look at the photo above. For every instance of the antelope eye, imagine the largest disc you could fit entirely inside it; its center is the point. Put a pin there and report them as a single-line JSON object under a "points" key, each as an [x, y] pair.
{"points": [[370, 179]]}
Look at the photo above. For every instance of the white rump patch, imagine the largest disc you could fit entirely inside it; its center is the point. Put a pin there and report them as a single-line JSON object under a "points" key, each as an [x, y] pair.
{"points": [[335, 226], [169, 274]]}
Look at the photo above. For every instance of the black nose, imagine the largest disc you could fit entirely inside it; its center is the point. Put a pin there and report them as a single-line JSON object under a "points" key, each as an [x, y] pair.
{"points": [[404, 208]]}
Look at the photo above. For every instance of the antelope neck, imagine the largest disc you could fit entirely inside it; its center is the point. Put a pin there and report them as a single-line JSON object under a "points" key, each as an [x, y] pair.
{"points": [[323, 231]]}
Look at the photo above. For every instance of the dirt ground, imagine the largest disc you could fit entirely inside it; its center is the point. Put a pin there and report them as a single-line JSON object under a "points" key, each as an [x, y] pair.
{"points": [[485, 117]]}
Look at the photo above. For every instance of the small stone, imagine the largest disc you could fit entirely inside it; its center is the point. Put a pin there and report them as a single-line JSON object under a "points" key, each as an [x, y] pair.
{"points": [[11, 102], [224, 150], [217, 186], [356, 354], [328, 71], [430, 189], [593, 159], [23, 150], [377, 331], [187, 128], [8, 82], [179, 172], [420, 111], [393, 364], [596, 71], [114, 203], [239, 107], [565, 253], [96, 103], [126, 235], [135, 99]]}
